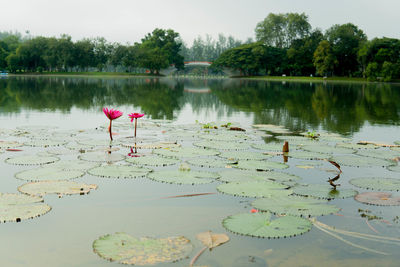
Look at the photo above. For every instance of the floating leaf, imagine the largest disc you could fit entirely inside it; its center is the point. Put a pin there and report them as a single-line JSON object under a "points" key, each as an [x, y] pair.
{"points": [[210, 162], [236, 175], [260, 165], [275, 147], [101, 157], [73, 165], [17, 207], [255, 189], [156, 145], [323, 191], [295, 205], [356, 146], [395, 168], [359, 161], [376, 183], [185, 152], [261, 225], [183, 177], [44, 143], [234, 155], [48, 173], [225, 136], [152, 160], [378, 198], [56, 187], [278, 129], [211, 240], [326, 149], [126, 249], [222, 145], [307, 155], [379, 153], [119, 171], [98, 142], [31, 160], [9, 144]]}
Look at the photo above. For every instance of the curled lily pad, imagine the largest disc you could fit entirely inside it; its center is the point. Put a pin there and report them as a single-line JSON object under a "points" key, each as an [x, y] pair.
{"points": [[31, 160], [377, 183], [255, 189], [183, 177], [327, 149], [210, 162], [262, 225], [235, 155], [236, 175], [152, 160], [56, 187], [48, 173], [119, 171], [323, 191], [185, 152], [222, 145], [17, 207], [295, 205], [359, 161], [378, 198], [212, 240], [101, 157], [126, 249], [260, 165]]}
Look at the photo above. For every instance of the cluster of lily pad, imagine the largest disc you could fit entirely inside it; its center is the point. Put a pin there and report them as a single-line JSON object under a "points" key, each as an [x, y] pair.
{"points": [[241, 164]]}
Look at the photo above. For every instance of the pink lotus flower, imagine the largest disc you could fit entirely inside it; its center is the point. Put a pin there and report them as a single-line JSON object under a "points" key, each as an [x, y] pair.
{"points": [[135, 116], [112, 114]]}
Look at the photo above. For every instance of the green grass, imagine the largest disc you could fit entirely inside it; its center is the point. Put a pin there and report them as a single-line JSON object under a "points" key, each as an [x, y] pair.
{"points": [[94, 73], [306, 79]]}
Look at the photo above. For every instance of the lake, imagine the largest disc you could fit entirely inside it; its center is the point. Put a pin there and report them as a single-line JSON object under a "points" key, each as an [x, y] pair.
{"points": [[67, 113]]}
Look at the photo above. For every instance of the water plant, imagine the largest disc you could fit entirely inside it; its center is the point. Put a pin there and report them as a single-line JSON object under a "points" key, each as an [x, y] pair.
{"points": [[112, 114], [135, 116]]}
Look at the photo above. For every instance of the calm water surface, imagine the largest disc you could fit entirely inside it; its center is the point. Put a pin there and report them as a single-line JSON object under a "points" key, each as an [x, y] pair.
{"points": [[64, 236]]}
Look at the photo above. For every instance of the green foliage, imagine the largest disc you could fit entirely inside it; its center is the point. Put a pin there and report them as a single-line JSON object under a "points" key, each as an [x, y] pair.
{"points": [[324, 60]]}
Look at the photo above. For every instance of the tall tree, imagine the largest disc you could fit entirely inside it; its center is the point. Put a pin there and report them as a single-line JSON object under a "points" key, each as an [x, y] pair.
{"points": [[324, 60]]}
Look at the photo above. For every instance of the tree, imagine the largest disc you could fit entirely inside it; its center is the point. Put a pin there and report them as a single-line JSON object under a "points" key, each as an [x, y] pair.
{"points": [[280, 30], [345, 42], [324, 60]]}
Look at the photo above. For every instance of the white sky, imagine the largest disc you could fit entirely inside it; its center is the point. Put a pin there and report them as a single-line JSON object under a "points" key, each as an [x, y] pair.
{"points": [[129, 20]]}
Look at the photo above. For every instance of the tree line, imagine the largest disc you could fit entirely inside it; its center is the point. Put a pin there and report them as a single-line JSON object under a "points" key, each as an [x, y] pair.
{"points": [[286, 44]]}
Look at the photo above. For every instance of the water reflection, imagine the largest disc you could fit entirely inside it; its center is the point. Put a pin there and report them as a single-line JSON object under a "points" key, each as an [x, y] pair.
{"points": [[337, 107]]}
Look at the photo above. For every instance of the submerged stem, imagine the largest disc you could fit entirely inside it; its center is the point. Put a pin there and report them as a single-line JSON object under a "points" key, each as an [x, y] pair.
{"points": [[197, 256]]}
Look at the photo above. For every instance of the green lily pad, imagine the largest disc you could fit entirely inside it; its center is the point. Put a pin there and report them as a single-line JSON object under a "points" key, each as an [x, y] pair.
{"points": [[156, 145], [119, 171], [210, 162], [222, 145], [73, 165], [225, 136], [126, 249], [17, 207], [101, 157], [307, 155], [48, 173], [323, 191], [274, 147], [31, 160], [378, 198], [295, 205], [239, 155], [260, 165], [56, 187], [183, 177], [326, 149], [44, 143], [100, 142], [298, 140], [360, 161], [395, 168], [152, 160], [185, 152], [377, 183], [356, 146], [238, 176], [379, 153], [255, 189], [262, 225], [277, 129], [79, 147]]}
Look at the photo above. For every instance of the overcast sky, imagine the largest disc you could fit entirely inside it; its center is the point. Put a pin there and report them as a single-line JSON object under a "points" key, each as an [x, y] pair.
{"points": [[129, 20]]}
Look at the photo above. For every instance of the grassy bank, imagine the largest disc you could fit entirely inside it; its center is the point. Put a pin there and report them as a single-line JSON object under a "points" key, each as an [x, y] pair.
{"points": [[307, 79], [95, 74]]}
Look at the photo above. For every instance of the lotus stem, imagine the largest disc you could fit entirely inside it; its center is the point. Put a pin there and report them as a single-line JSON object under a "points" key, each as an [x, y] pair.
{"points": [[109, 129], [197, 256], [135, 125]]}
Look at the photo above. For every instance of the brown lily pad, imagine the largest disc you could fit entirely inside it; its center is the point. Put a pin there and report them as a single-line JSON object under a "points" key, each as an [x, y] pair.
{"points": [[211, 240]]}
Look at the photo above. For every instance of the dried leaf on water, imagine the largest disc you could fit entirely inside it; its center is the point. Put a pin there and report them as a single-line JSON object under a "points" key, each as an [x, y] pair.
{"points": [[211, 240]]}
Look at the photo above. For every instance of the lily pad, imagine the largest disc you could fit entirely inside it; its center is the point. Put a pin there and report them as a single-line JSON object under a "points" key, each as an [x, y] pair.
{"points": [[377, 183], [255, 189], [119, 171], [210, 162], [236, 175], [101, 157], [183, 177], [327, 149], [278, 129], [239, 155], [17, 207], [307, 155], [73, 165], [360, 161], [56, 187], [379, 153], [222, 145], [44, 143], [9, 144], [31, 160], [152, 160], [262, 225], [225, 136], [48, 173], [185, 152], [212, 240], [126, 249], [260, 165], [323, 191], [295, 205], [395, 168], [378, 198], [275, 147]]}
